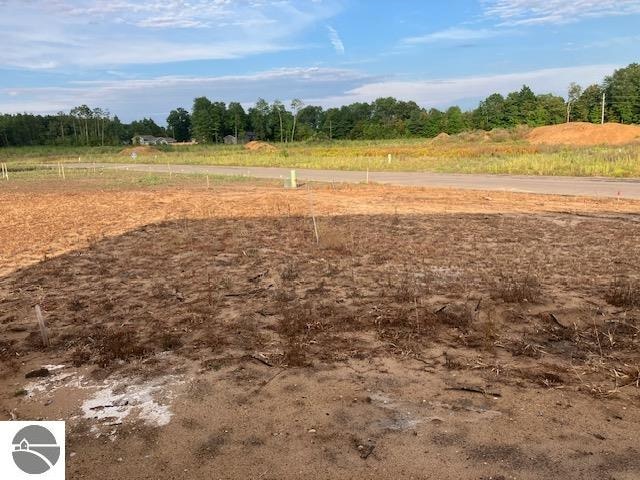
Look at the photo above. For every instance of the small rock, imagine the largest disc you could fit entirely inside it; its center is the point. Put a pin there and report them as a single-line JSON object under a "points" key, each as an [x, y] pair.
{"points": [[40, 372], [312, 430], [48, 402], [119, 459]]}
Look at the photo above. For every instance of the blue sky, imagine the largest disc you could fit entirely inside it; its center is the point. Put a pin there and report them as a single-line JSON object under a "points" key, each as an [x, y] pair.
{"points": [[146, 57]]}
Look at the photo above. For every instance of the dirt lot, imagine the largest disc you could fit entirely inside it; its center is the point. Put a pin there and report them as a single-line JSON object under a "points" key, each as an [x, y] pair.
{"points": [[430, 334]]}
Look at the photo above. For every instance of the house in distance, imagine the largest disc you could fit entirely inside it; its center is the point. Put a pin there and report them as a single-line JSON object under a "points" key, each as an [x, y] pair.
{"points": [[151, 140]]}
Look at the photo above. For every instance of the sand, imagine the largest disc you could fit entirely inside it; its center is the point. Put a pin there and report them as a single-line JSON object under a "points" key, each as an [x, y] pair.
{"points": [[585, 134], [257, 146], [204, 334]]}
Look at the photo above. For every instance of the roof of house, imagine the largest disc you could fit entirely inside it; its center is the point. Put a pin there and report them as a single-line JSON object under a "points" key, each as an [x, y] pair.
{"points": [[151, 138]]}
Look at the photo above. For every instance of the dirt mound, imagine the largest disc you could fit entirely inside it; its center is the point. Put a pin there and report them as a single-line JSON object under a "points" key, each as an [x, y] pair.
{"points": [[257, 146], [442, 136], [140, 151], [579, 133]]}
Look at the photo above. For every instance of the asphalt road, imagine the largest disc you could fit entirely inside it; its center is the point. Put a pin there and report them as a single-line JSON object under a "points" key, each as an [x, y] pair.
{"points": [[577, 186]]}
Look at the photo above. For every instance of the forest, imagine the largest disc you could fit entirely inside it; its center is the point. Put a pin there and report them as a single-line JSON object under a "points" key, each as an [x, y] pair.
{"points": [[385, 118]]}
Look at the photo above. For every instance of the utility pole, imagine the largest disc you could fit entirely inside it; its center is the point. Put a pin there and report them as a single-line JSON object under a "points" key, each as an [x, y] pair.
{"points": [[604, 96]]}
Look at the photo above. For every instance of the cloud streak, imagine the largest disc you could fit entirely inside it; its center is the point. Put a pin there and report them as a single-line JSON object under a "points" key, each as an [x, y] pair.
{"points": [[336, 41], [155, 97], [452, 35], [540, 12], [468, 90], [58, 34]]}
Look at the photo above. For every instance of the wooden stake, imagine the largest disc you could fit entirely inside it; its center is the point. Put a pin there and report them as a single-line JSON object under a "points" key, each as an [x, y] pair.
{"points": [[313, 215], [43, 327], [63, 175], [207, 181]]}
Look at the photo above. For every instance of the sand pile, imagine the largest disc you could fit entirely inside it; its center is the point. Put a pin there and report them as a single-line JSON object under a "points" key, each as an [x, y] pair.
{"points": [[442, 136], [140, 151], [579, 133], [257, 146]]}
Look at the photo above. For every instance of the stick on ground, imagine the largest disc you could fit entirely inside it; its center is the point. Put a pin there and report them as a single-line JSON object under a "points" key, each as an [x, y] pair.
{"points": [[43, 327]]}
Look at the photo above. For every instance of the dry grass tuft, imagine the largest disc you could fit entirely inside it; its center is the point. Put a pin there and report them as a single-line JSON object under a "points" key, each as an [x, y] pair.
{"points": [[290, 272], [457, 315], [624, 292], [114, 345], [334, 240], [518, 289]]}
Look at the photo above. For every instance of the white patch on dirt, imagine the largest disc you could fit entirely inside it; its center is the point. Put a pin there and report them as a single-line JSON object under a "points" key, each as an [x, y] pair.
{"points": [[120, 399], [51, 383], [53, 368]]}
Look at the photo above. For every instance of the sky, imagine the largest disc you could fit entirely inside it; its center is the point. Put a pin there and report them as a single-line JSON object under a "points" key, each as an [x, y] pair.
{"points": [[144, 58]]}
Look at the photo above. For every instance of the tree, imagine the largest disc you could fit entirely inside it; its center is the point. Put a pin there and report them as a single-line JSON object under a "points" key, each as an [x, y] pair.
{"points": [[296, 106], [573, 96], [201, 120], [258, 118], [588, 108], [179, 123], [623, 94], [278, 109], [237, 119], [454, 121]]}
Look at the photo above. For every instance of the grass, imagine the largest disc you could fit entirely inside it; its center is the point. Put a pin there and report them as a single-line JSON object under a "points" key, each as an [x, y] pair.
{"points": [[463, 154], [24, 173]]}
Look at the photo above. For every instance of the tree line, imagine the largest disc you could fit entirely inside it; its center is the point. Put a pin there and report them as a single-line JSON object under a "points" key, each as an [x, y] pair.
{"points": [[210, 121]]}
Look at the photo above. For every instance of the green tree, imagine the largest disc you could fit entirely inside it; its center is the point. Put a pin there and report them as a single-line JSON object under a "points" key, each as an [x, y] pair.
{"points": [[179, 124], [454, 121], [259, 117], [623, 94], [202, 123], [588, 108], [236, 120], [573, 96]]}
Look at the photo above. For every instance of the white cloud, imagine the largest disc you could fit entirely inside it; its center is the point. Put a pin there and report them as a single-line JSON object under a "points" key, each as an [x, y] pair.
{"points": [[452, 34], [155, 97], [468, 90], [535, 12], [336, 41], [107, 33]]}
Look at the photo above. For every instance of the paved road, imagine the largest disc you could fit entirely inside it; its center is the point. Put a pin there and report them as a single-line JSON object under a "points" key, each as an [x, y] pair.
{"points": [[581, 186]]}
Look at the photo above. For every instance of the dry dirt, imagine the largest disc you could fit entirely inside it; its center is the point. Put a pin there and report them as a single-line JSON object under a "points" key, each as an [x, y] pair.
{"points": [[258, 146], [585, 134], [431, 333]]}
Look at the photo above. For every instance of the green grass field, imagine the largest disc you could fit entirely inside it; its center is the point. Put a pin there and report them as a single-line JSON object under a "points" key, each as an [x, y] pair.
{"points": [[464, 154]]}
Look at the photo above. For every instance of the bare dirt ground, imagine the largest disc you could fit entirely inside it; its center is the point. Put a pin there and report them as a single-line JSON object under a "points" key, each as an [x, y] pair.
{"points": [[431, 333], [582, 133]]}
